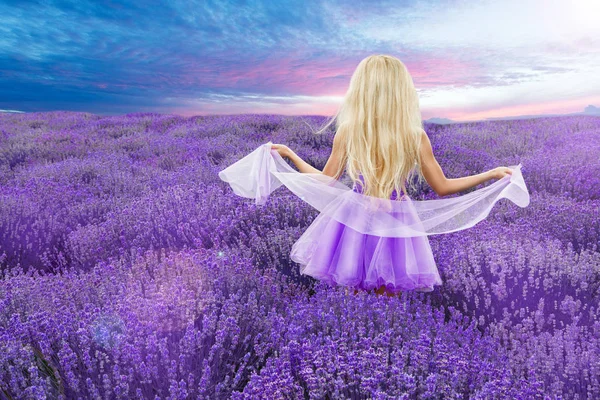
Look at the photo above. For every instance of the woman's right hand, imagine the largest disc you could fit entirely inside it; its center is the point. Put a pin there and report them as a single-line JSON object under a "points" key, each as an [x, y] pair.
{"points": [[500, 172]]}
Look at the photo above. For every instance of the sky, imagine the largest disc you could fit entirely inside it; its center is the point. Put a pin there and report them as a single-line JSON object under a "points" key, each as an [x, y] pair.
{"points": [[469, 60]]}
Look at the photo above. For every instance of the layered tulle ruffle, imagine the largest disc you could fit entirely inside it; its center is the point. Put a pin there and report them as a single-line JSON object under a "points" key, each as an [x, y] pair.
{"points": [[339, 255]]}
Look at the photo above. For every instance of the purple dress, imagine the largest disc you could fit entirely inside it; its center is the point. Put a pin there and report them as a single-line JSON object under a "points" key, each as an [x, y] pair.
{"points": [[332, 252]]}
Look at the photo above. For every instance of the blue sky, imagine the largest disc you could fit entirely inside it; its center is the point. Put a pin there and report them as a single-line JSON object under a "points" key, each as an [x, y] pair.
{"points": [[469, 60]]}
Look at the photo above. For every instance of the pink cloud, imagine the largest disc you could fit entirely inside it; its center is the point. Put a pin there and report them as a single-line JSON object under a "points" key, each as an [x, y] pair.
{"points": [[547, 107], [329, 76]]}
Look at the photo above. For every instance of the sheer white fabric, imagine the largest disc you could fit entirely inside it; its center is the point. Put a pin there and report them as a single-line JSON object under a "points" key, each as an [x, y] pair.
{"points": [[262, 171]]}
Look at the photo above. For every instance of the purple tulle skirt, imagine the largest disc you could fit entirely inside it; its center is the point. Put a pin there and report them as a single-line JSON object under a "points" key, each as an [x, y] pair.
{"points": [[334, 253]]}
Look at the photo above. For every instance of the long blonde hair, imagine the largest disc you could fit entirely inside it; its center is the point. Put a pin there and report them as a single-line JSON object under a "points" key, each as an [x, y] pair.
{"points": [[380, 123]]}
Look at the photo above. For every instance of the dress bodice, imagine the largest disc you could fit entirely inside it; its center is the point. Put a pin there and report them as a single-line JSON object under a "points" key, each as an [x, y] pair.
{"points": [[358, 189]]}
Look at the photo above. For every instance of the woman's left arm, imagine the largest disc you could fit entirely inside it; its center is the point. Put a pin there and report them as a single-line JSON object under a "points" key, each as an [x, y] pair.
{"points": [[302, 165], [331, 167]]}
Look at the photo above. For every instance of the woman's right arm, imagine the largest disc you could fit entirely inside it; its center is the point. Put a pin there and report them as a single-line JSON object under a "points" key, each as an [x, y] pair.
{"points": [[433, 174]]}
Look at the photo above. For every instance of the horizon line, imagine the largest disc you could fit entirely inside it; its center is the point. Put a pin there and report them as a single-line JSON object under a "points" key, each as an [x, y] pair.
{"points": [[450, 121]]}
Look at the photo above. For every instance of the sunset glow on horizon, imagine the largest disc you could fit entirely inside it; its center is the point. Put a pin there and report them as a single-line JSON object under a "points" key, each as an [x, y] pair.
{"points": [[468, 60]]}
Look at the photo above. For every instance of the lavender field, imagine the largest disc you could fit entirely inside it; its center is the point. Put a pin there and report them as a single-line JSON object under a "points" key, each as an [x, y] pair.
{"points": [[131, 271]]}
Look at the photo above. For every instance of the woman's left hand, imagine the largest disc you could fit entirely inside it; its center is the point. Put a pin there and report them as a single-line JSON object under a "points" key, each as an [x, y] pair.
{"points": [[282, 149]]}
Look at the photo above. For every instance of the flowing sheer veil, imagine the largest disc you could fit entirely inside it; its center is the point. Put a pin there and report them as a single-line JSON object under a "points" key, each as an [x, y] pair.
{"points": [[262, 171]]}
